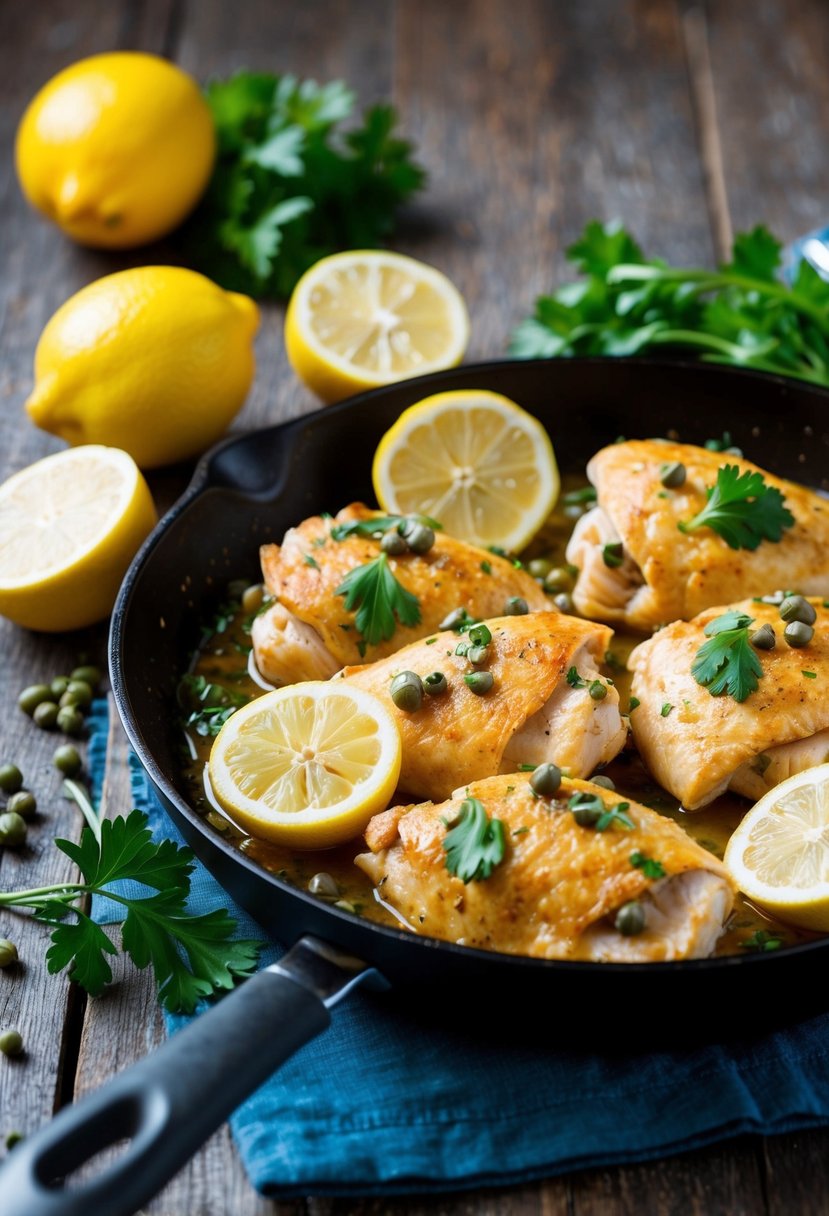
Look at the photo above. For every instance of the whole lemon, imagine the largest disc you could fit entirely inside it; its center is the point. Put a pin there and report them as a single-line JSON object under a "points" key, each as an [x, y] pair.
{"points": [[156, 360], [116, 149]]}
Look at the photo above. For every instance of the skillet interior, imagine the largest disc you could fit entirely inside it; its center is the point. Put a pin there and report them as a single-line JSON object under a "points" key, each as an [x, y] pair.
{"points": [[252, 488]]}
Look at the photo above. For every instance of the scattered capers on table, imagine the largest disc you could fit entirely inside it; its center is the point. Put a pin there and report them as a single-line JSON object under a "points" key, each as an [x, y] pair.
{"points": [[23, 803], [77, 693], [407, 691], [11, 778], [70, 720], [325, 885], [12, 829], [435, 684], [8, 952], [764, 638], [59, 685], [32, 696], [393, 543], [605, 782], [516, 606], [479, 682], [798, 634], [46, 715], [546, 780], [630, 919], [87, 672], [11, 1042], [597, 690], [67, 760], [673, 475]]}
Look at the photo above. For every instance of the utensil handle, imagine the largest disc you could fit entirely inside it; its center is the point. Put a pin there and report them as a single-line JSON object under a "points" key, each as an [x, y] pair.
{"points": [[166, 1105]]}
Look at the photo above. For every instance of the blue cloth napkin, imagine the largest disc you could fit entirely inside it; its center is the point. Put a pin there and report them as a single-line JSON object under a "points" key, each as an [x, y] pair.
{"points": [[381, 1104]]}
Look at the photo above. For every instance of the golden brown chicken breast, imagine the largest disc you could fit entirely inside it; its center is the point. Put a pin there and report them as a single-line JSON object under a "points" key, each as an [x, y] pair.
{"points": [[309, 634], [552, 879], [547, 702], [698, 745], [637, 566]]}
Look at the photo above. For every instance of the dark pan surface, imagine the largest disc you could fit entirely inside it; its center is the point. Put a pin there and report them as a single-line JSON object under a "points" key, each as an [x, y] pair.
{"points": [[251, 489]]}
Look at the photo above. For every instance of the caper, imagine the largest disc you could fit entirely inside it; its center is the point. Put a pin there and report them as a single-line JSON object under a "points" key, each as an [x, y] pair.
{"points": [[59, 685], [418, 536], [588, 814], [456, 617], [479, 682], [563, 602], [435, 684], [236, 588], [12, 829], [477, 654], [67, 760], [45, 715], [479, 635], [11, 1042], [604, 782], [70, 720], [393, 543], [88, 673], [764, 638], [252, 598], [32, 696], [796, 608], [597, 690], [558, 579], [8, 952], [630, 919], [11, 778], [407, 691], [516, 606], [673, 475], [798, 634], [324, 885], [78, 693], [539, 567], [23, 803], [13, 1138], [546, 779]]}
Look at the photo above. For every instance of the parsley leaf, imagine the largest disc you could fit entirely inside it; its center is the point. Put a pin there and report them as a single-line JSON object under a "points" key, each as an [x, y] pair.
{"points": [[378, 598], [742, 509], [574, 679], [648, 865], [207, 706], [378, 524], [762, 940], [475, 845], [727, 662]]}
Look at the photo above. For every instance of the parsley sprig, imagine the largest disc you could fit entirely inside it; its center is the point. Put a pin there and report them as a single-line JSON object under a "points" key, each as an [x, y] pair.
{"points": [[727, 662], [379, 600], [475, 845], [191, 956], [649, 866], [378, 524], [742, 509]]}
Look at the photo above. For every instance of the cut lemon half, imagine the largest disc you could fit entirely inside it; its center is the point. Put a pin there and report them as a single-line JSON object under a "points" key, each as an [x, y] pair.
{"points": [[69, 527], [361, 319], [779, 855], [473, 460], [307, 765]]}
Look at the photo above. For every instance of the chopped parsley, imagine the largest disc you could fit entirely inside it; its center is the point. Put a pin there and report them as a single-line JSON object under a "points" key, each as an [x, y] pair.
{"points": [[742, 509], [207, 706], [727, 662], [762, 940], [310, 561], [574, 679], [648, 865], [810, 675], [475, 845], [486, 567], [634, 704], [613, 554], [577, 498], [379, 599], [666, 709]]}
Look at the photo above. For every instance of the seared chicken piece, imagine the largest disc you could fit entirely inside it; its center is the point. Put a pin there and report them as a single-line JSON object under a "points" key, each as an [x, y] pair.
{"points": [[532, 713], [703, 744], [308, 635], [558, 889], [665, 574]]}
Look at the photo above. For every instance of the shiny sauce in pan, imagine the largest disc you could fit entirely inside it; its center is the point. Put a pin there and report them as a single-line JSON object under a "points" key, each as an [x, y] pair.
{"points": [[223, 659]]}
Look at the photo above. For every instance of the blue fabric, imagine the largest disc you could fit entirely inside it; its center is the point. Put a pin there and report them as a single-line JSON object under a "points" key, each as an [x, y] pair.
{"points": [[380, 1104]]}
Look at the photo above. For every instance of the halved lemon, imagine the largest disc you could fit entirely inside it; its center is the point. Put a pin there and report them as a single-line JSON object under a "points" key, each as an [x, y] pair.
{"points": [[306, 765], [473, 460], [70, 525], [779, 855], [364, 318]]}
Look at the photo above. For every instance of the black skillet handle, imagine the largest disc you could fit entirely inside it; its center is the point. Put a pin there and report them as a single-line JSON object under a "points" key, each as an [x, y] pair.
{"points": [[169, 1103]]}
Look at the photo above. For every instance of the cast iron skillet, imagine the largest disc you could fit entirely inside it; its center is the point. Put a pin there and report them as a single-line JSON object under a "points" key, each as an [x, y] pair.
{"points": [[248, 491]]}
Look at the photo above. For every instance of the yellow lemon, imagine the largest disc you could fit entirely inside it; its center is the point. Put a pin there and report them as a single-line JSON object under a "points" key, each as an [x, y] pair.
{"points": [[155, 360], [779, 855], [473, 460], [116, 149], [307, 765], [360, 319], [69, 527]]}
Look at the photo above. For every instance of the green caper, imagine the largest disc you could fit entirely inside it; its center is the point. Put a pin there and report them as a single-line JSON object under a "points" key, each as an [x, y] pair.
{"points": [[563, 602], [324, 885], [516, 606], [12, 829], [236, 588], [23, 803], [796, 608], [32, 696], [454, 618], [393, 543], [70, 720], [418, 536], [479, 682], [477, 654], [11, 1042], [558, 579], [764, 638], [588, 814], [479, 635], [407, 691], [78, 693], [539, 567], [252, 598], [11, 778], [604, 782], [46, 715], [673, 475], [630, 919], [59, 685], [435, 684], [798, 634], [546, 779], [90, 675], [67, 760], [597, 690], [8, 952]]}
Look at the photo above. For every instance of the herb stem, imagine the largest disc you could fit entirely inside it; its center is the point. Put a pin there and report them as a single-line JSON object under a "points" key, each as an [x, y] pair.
{"points": [[76, 793]]}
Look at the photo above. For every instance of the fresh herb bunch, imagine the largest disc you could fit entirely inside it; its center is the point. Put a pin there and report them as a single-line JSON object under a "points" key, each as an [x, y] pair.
{"points": [[740, 314], [476, 844], [289, 186], [192, 956], [727, 662], [742, 509]]}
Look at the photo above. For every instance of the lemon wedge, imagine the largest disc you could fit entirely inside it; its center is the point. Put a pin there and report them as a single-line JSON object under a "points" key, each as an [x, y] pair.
{"points": [[69, 527], [307, 765], [473, 460], [361, 319], [779, 855]]}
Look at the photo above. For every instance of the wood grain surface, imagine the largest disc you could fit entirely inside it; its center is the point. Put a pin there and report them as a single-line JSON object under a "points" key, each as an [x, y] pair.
{"points": [[685, 120]]}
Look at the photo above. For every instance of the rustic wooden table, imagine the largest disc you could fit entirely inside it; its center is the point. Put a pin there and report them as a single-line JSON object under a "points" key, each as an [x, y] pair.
{"points": [[532, 116]]}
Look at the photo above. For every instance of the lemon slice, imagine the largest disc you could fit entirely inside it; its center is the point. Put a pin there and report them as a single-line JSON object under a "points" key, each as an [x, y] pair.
{"points": [[361, 319], [69, 527], [779, 855], [473, 460], [307, 765]]}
